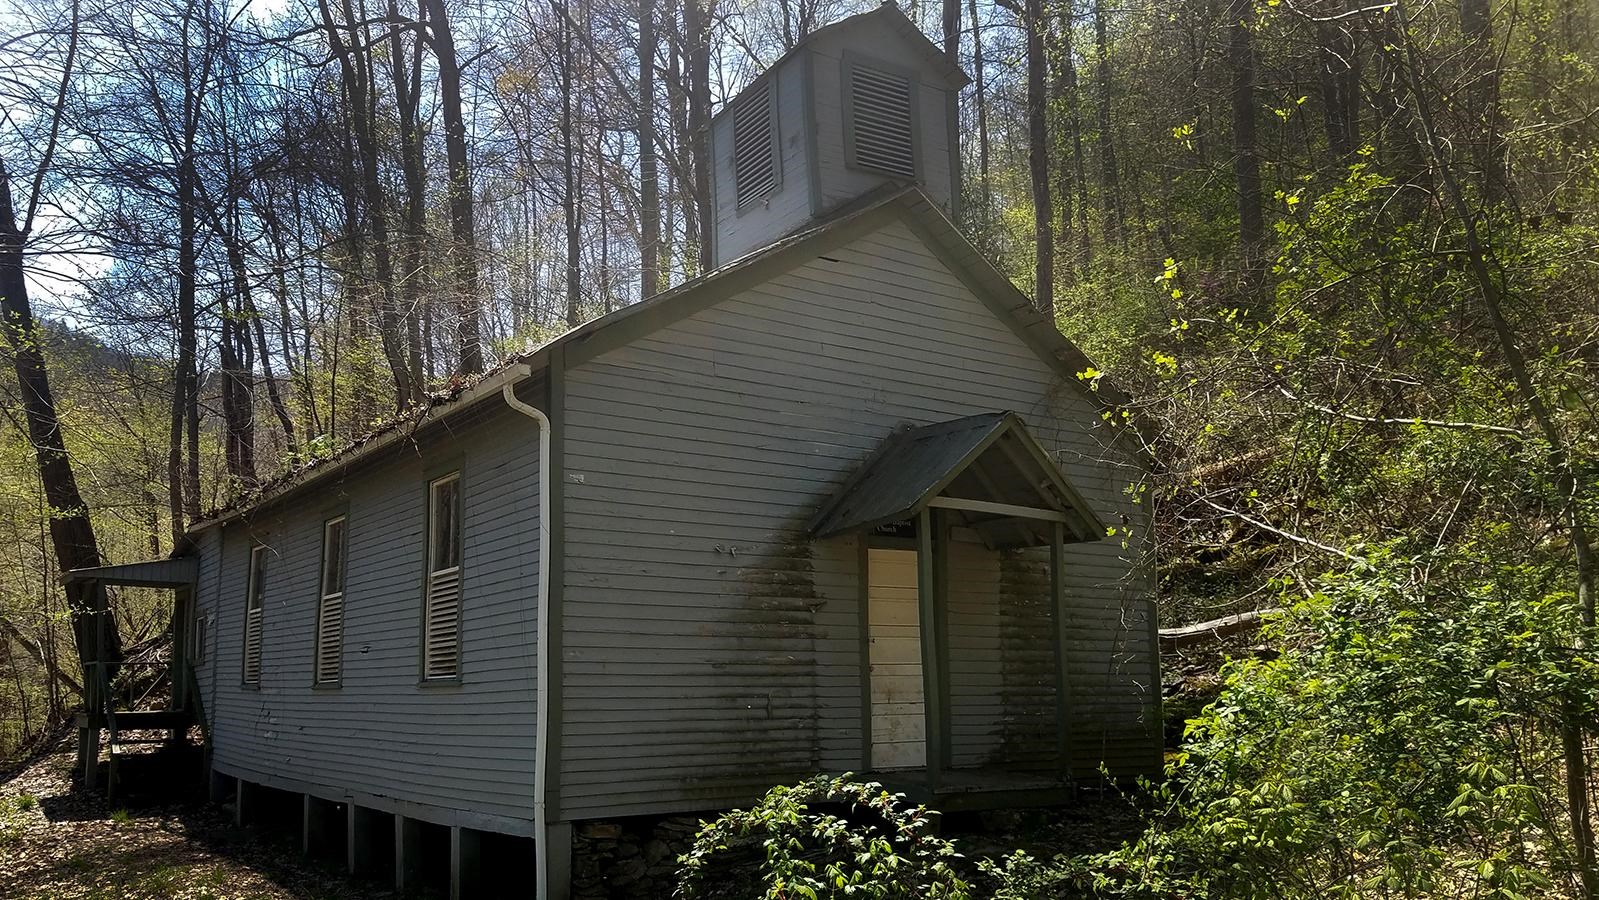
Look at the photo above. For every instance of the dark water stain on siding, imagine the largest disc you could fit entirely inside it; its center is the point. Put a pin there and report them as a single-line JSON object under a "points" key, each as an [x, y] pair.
{"points": [[1027, 662], [773, 732]]}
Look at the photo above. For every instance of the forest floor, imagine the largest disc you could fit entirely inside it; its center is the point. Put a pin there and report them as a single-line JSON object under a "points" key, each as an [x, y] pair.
{"points": [[57, 843]]}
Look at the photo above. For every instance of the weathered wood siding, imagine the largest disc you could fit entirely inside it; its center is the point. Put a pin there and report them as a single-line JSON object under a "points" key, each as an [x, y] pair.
{"points": [[741, 231], [873, 41], [815, 175], [710, 648], [453, 753]]}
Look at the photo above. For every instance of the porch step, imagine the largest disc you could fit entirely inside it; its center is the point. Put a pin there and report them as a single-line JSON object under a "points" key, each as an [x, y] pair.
{"points": [[150, 719]]}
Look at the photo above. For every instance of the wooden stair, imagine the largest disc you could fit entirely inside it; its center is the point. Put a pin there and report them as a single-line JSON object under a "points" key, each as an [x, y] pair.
{"points": [[123, 725]]}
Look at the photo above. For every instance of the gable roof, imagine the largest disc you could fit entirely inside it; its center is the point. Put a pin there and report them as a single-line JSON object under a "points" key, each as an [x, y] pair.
{"points": [[897, 21], [912, 470], [907, 204]]}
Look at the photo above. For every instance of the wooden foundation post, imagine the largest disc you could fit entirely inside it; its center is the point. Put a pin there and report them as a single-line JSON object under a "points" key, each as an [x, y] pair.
{"points": [[466, 862], [558, 856], [244, 797], [368, 850], [407, 854]]}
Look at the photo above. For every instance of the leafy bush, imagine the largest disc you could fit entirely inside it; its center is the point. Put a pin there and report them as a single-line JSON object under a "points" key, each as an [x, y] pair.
{"points": [[825, 837], [1403, 744]]}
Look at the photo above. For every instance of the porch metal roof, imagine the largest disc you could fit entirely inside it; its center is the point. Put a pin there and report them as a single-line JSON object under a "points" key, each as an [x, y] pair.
{"points": [[178, 572], [986, 468]]}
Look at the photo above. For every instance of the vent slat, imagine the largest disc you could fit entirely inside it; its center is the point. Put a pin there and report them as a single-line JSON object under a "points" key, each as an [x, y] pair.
{"points": [[441, 657], [754, 146], [330, 640], [252, 646], [884, 136]]}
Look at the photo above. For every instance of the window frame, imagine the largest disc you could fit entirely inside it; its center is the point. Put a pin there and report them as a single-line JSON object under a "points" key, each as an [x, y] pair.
{"points": [[436, 477], [341, 519], [851, 61], [198, 628], [254, 600]]}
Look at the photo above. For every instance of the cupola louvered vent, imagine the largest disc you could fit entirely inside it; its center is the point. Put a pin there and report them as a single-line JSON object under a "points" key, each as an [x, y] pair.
{"points": [[755, 145], [881, 125]]}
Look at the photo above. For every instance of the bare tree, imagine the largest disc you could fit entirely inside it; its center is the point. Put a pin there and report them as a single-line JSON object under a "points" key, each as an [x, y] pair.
{"points": [[71, 530]]}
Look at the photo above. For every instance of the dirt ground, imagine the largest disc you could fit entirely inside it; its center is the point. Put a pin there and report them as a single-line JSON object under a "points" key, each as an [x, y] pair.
{"points": [[55, 843]]}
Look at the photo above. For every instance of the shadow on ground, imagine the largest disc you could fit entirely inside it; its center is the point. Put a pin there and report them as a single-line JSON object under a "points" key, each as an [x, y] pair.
{"points": [[158, 839]]}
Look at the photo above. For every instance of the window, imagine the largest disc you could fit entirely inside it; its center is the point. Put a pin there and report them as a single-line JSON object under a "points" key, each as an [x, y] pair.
{"points": [[197, 639], [880, 129], [255, 591], [330, 606], [754, 145], [441, 617]]}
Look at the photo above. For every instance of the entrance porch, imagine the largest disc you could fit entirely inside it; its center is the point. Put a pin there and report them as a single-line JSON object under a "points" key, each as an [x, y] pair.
{"points": [[966, 696]]}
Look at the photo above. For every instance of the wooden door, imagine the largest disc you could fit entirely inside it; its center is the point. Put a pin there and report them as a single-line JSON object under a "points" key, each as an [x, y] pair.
{"points": [[899, 721]]}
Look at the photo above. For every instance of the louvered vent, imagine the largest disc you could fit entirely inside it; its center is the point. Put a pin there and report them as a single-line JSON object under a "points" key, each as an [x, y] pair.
{"points": [[252, 646], [254, 603], [330, 605], [880, 114], [443, 625], [754, 146], [330, 640]]}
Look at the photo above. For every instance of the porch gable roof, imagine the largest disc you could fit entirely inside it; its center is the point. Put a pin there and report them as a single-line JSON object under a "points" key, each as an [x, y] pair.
{"points": [[986, 468]]}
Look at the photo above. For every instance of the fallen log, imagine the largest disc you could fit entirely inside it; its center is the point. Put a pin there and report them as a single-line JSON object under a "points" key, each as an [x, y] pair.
{"points": [[1213, 630]]}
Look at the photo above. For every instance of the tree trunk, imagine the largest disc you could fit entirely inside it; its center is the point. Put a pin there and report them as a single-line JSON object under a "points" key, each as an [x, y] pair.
{"points": [[1246, 153], [952, 31], [1569, 481], [1109, 171], [71, 530], [407, 99], [569, 139], [696, 22], [1340, 87], [1482, 97], [463, 231], [1038, 158], [355, 68], [648, 165], [980, 98], [1064, 89], [186, 388]]}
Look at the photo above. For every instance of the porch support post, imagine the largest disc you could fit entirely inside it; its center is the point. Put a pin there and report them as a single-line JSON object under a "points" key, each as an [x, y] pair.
{"points": [[182, 603], [927, 592], [1063, 695]]}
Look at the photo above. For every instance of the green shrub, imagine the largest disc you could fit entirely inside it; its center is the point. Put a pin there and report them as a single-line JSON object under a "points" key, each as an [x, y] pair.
{"points": [[825, 837], [1400, 746]]}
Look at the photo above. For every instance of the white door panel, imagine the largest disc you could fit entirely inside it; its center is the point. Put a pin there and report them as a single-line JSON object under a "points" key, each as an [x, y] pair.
{"points": [[899, 721]]}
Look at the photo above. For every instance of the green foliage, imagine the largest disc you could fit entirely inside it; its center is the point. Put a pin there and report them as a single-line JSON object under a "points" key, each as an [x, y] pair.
{"points": [[1396, 747], [825, 837]]}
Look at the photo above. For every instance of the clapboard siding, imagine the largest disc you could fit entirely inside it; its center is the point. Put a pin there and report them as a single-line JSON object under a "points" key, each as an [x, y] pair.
{"points": [[740, 231], [976, 667], [455, 753], [710, 648], [875, 41], [816, 177]]}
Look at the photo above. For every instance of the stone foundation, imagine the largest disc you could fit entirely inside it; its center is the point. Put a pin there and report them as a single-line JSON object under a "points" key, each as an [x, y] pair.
{"points": [[629, 859]]}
